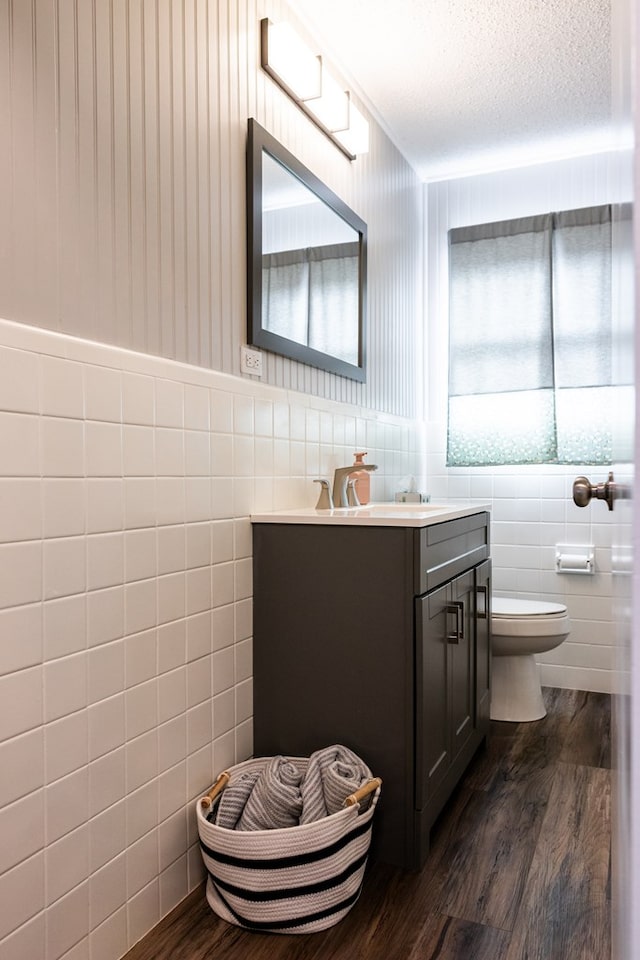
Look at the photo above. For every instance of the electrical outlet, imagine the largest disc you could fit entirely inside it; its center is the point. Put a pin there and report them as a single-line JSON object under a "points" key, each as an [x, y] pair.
{"points": [[251, 361]]}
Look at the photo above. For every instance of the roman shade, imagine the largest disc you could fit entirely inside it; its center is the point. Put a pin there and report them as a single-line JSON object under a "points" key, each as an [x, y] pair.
{"points": [[530, 340]]}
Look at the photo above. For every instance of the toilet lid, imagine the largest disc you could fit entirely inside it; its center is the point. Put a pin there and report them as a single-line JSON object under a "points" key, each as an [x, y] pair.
{"points": [[507, 607]]}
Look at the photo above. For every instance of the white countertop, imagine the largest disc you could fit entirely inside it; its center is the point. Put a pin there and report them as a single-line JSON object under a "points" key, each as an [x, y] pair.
{"points": [[376, 514]]}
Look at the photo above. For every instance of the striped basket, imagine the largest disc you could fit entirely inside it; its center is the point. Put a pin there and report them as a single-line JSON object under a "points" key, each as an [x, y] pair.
{"points": [[298, 879]]}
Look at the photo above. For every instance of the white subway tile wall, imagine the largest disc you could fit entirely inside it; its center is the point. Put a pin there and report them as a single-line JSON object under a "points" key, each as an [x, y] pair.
{"points": [[126, 616]]}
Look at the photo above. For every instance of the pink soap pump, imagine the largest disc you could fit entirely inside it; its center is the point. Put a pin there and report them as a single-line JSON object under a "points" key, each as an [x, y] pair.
{"points": [[363, 481]]}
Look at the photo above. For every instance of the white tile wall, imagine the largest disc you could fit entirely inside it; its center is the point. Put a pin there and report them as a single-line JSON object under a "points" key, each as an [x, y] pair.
{"points": [[126, 619]]}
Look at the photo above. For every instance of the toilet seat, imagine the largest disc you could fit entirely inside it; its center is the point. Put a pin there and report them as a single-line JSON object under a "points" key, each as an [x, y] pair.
{"points": [[507, 607], [527, 618]]}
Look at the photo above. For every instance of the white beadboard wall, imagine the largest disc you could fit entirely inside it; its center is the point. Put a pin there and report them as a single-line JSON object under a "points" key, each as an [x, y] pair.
{"points": [[532, 508], [122, 187], [133, 451]]}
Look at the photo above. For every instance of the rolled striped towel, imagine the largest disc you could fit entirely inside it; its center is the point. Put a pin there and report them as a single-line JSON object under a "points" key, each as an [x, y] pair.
{"points": [[234, 800], [267, 800], [332, 775]]}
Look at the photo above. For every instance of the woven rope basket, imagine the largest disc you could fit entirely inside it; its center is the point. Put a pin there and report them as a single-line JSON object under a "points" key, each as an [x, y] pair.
{"points": [[299, 879]]}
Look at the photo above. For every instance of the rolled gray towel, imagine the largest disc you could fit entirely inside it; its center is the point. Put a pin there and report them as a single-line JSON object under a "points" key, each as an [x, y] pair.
{"points": [[233, 801], [275, 799], [332, 775]]}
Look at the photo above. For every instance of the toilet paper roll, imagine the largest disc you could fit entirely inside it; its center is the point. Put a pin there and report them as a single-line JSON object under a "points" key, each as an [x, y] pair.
{"points": [[576, 562]]}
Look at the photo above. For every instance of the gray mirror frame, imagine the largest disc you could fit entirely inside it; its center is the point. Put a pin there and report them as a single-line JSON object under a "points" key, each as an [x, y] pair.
{"points": [[259, 141]]}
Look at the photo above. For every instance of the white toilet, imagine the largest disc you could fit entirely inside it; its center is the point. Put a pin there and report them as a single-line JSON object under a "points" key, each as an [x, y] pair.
{"points": [[520, 629]]}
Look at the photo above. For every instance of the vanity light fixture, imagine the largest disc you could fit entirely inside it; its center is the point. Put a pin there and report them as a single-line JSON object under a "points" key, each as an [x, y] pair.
{"points": [[287, 58], [356, 137], [303, 76], [331, 108]]}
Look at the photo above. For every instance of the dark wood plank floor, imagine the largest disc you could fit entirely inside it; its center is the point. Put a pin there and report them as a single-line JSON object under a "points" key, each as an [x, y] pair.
{"points": [[519, 867]]}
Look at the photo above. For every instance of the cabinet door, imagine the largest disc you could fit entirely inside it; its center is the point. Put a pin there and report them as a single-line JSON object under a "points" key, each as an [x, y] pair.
{"points": [[483, 645], [433, 622], [461, 645]]}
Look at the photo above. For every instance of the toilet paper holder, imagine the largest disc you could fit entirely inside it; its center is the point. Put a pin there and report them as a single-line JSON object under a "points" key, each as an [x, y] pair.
{"points": [[575, 558]]}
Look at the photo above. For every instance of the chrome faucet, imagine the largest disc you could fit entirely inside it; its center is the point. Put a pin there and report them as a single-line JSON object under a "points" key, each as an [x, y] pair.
{"points": [[341, 478]]}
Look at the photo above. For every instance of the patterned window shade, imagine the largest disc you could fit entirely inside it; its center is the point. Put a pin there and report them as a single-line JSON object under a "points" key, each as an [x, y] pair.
{"points": [[529, 340]]}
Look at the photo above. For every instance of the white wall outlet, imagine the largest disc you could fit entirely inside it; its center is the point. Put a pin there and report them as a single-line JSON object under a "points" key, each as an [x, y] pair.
{"points": [[251, 361]]}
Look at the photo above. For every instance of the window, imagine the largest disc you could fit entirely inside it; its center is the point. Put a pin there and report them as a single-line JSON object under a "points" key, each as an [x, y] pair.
{"points": [[530, 340]]}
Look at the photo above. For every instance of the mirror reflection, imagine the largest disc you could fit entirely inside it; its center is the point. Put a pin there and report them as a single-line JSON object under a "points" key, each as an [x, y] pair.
{"points": [[306, 289], [309, 267]]}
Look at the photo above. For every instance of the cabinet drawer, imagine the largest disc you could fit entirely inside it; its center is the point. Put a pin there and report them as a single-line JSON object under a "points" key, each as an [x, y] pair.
{"points": [[446, 549]]}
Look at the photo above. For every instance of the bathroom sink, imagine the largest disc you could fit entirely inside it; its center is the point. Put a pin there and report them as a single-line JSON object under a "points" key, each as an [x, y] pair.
{"points": [[376, 514], [408, 509]]}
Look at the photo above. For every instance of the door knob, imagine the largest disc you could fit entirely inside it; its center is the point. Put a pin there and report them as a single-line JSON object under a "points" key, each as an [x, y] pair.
{"points": [[584, 491]]}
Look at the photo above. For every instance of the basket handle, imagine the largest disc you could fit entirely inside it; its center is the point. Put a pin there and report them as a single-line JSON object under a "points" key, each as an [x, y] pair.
{"points": [[217, 788], [363, 792]]}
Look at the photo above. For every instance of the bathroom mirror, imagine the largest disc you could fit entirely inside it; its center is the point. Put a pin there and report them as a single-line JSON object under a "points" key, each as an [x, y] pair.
{"points": [[306, 263]]}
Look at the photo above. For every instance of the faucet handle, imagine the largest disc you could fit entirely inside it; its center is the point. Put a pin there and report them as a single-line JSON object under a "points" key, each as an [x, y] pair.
{"points": [[352, 493], [325, 500]]}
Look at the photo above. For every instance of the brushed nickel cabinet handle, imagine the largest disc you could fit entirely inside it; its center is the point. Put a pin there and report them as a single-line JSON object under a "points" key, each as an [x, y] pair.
{"points": [[482, 612], [456, 609]]}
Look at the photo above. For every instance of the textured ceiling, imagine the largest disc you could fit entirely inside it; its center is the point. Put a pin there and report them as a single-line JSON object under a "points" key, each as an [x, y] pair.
{"points": [[469, 85]]}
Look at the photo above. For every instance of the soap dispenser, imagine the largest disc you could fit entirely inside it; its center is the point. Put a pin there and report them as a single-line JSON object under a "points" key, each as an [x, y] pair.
{"points": [[363, 486]]}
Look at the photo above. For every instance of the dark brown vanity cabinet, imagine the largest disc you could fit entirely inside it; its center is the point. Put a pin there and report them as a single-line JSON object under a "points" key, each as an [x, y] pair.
{"points": [[376, 637]]}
